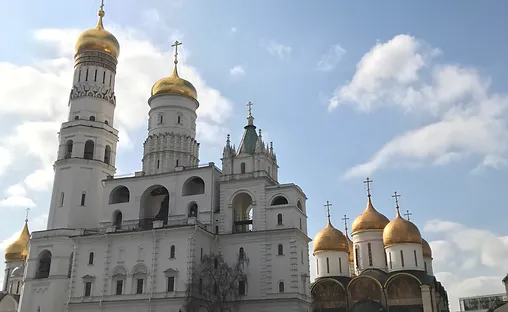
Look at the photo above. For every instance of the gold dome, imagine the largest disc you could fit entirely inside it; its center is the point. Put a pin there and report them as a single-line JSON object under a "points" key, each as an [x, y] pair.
{"points": [[370, 219], [330, 239], [351, 250], [174, 85], [98, 39], [427, 251], [18, 250], [401, 231]]}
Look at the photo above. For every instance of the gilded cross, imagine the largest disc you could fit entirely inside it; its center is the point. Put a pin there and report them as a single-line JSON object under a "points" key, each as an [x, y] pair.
{"points": [[396, 196], [328, 205], [345, 222], [249, 105], [408, 215], [175, 45], [368, 181], [102, 5], [27, 211]]}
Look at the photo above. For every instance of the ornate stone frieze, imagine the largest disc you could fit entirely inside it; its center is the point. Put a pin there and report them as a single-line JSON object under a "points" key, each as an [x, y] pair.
{"points": [[93, 90], [94, 58]]}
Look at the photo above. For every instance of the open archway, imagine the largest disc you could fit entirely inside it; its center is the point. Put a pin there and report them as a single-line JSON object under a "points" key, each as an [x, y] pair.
{"points": [[154, 206], [365, 294], [328, 295], [119, 194], [403, 293], [193, 186], [242, 210]]}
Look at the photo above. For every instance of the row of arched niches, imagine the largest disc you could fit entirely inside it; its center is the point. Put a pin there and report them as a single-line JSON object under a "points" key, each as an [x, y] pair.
{"points": [[376, 291]]}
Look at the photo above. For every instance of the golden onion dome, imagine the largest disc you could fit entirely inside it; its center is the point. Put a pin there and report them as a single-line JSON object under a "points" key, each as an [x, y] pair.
{"points": [[174, 85], [427, 251], [330, 239], [370, 219], [351, 251], [401, 231], [98, 39], [18, 250]]}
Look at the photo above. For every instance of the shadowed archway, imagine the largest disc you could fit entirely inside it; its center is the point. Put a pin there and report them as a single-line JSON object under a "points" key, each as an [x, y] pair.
{"points": [[154, 206]]}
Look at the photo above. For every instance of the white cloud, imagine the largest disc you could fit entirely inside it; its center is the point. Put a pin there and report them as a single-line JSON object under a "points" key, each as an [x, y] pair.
{"points": [[278, 49], [465, 118], [233, 30], [16, 197], [237, 71], [331, 58]]}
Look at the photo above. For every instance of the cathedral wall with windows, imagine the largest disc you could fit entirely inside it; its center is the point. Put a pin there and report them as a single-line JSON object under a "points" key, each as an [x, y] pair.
{"points": [[369, 251], [172, 114], [93, 109], [405, 257], [286, 207]]}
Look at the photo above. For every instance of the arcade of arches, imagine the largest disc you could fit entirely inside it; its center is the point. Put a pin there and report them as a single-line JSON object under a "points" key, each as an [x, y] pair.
{"points": [[365, 294]]}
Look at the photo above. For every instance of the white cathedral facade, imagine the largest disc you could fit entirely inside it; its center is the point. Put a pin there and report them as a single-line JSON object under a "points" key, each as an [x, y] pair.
{"points": [[131, 243]]}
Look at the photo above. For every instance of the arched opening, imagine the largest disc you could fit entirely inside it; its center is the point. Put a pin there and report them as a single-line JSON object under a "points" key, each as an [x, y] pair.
{"points": [[365, 294], [76, 117], [92, 118], [242, 210], [68, 149], [299, 205], [119, 194], [107, 154], [242, 167], [280, 250], [44, 264], [89, 148], [193, 186], [71, 260], [106, 122], [279, 219], [279, 200], [172, 252], [241, 253], [154, 206], [328, 294], [91, 257], [281, 287], [193, 210], [404, 294], [117, 219]]}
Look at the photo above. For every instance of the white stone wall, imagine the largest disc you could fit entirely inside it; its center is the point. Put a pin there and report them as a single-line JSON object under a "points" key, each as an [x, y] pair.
{"points": [[361, 243], [428, 265], [332, 263], [405, 257]]}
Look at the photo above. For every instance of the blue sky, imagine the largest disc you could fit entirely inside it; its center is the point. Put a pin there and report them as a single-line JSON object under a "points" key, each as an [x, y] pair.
{"points": [[419, 88]]}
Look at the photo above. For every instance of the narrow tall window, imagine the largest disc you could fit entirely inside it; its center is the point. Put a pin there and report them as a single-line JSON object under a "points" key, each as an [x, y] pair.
{"points": [[386, 259], [119, 287], [391, 263], [301, 255], [91, 258], [416, 258], [300, 223], [104, 77], [241, 253], [83, 199], [279, 219], [317, 266], [79, 76], [201, 256], [158, 163], [95, 76], [107, 154], [177, 163], [172, 252], [88, 289], [281, 287], [89, 149], [179, 120], [357, 259], [280, 250], [62, 197], [68, 149], [242, 167], [327, 265], [402, 258], [171, 283], [110, 79], [161, 118], [340, 265], [216, 229], [242, 291], [425, 265], [139, 286], [86, 77], [369, 249]]}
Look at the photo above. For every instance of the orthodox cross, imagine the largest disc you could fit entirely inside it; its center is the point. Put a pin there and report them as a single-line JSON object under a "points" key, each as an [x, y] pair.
{"points": [[345, 222], [249, 105], [27, 211], [102, 5], [328, 205], [175, 45], [396, 196], [368, 181], [408, 215]]}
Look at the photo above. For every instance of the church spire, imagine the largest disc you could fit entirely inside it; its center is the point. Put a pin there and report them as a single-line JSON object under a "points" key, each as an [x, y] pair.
{"points": [[250, 137]]}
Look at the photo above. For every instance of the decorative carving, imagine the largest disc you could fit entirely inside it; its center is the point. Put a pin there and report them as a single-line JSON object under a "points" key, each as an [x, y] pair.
{"points": [[328, 295], [99, 91], [95, 58], [404, 291], [365, 288]]}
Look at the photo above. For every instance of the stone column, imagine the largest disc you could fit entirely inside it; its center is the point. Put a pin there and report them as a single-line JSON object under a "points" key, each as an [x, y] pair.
{"points": [[426, 300]]}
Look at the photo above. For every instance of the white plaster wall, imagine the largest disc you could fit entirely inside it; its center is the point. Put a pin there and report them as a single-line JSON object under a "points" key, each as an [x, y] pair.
{"points": [[394, 257], [338, 263], [171, 106], [362, 239], [173, 182], [428, 266]]}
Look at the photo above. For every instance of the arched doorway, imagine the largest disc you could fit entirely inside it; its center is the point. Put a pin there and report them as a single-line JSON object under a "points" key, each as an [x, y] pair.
{"points": [[365, 295], [328, 296], [404, 294], [242, 213], [154, 206]]}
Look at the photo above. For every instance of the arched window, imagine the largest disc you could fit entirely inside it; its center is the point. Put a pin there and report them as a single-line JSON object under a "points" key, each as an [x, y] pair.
{"points": [[91, 256], [89, 148], [279, 219], [107, 154], [280, 250], [69, 270], [76, 117], [161, 118], [242, 167], [193, 186], [369, 250], [106, 122], [357, 259], [299, 205], [117, 220], [92, 118], [328, 265], [390, 260], [68, 149], [62, 197], [340, 265], [402, 258], [119, 194], [193, 210], [44, 264], [241, 253], [281, 287], [83, 199], [317, 266], [279, 200], [416, 258], [172, 252], [179, 119]]}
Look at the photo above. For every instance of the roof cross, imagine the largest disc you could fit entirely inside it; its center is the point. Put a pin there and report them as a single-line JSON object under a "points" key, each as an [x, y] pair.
{"points": [[396, 196], [368, 181], [408, 215], [249, 105], [175, 45], [27, 211], [328, 205], [102, 5], [345, 219]]}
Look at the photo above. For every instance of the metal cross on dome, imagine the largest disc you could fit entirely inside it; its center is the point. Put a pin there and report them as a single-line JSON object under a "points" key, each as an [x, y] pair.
{"points": [[408, 215], [345, 219], [396, 196], [175, 45], [368, 181], [328, 205], [249, 105]]}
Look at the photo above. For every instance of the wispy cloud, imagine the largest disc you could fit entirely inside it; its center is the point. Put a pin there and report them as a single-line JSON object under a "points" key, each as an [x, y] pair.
{"points": [[331, 58], [237, 71], [278, 49]]}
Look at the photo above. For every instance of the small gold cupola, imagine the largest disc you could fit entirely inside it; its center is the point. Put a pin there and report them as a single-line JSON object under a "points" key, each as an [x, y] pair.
{"points": [[400, 230], [427, 251], [370, 219], [18, 250], [98, 39], [330, 238], [174, 84]]}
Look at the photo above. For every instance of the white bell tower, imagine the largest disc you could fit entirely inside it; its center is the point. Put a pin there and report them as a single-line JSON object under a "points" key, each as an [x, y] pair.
{"points": [[88, 139]]}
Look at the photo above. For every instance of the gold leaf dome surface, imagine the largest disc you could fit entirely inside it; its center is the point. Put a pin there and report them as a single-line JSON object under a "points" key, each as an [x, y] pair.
{"points": [[98, 39], [370, 219], [330, 239], [174, 85], [427, 251], [401, 231], [18, 250]]}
